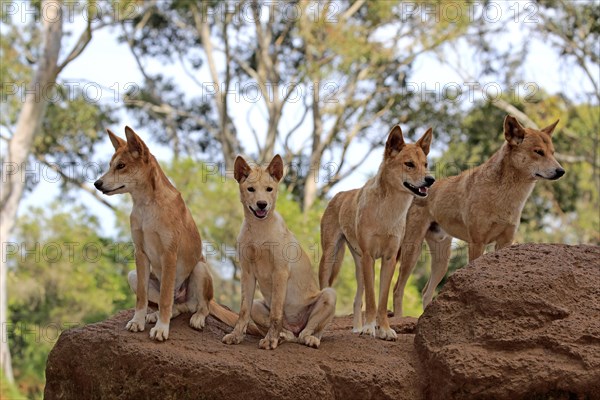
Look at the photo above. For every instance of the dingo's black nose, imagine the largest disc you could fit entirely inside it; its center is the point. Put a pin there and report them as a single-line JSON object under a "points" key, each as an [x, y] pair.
{"points": [[559, 172], [98, 183], [261, 204], [429, 180]]}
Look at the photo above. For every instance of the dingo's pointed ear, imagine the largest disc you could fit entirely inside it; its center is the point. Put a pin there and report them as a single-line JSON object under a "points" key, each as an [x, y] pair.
{"points": [[136, 145], [550, 128], [115, 140], [425, 141], [395, 142], [241, 169], [513, 131], [275, 168]]}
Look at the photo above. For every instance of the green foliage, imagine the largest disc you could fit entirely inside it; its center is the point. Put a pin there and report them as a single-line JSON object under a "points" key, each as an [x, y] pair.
{"points": [[8, 391], [62, 274], [73, 126]]}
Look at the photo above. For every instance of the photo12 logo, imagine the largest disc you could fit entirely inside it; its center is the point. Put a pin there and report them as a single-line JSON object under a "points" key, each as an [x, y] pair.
{"points": [[454, 92], [68, 252], [271, 10], [25, 331], [51, 11], [470, 11], [58, 92], [270, 92]]}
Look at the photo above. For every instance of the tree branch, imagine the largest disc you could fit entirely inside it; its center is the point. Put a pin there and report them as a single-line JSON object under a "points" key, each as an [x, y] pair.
{"points": [[75, 182]]}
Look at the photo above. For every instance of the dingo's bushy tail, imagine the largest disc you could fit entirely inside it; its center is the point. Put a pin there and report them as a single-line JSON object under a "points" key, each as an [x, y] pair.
{"points": [[332, 243], [228, 317]]}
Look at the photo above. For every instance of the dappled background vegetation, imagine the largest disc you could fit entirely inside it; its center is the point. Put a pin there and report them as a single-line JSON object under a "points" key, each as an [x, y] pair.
{"points": [[353, 70]]}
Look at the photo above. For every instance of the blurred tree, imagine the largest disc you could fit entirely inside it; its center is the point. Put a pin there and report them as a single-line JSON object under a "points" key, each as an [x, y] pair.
{"points": [[8, 390], [19, 145], [344, 65], [61, 275], [573, 28], [44, 125]]}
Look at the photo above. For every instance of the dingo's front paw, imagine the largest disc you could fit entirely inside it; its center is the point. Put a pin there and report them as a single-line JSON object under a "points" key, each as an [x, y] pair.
{"points": [[232, 338], [387, 334], [357, 323], [368, 329], [287, 336], [137, 323], [269, 342], [312, 341], [160, 331], [198, 321], [152, 317]]}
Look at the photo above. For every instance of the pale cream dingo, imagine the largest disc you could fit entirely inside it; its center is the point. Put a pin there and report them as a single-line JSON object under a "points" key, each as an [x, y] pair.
{"points": [[270, 255]]}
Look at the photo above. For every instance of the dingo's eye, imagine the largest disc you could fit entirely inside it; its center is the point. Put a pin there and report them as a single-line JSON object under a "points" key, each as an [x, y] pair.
{"points": [[410, 164], [426, 165], [269, 189], [120, 165], [539, 152], [251, 189]]}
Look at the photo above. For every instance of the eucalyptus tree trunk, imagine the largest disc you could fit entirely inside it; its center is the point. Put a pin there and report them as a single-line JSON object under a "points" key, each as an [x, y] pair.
{"points": [[19, 147]]}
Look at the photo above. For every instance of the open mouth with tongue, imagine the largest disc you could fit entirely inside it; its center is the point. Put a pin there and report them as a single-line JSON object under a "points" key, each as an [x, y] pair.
{"points": [[420, 191], [260, 214]]}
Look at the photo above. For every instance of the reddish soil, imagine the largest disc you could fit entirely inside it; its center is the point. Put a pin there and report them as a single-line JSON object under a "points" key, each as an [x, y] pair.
{"points": [[522, 323]]}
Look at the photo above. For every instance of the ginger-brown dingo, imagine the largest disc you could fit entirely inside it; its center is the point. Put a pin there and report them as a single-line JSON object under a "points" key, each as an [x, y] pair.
{"points": [[371, 222], [168, 248], [480, 206], [270, 254]]}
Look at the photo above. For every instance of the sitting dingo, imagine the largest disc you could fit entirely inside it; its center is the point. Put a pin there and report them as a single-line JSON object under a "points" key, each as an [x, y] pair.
{"points": [[170, 268], [293, 304], [480, 206], [371, 222]]}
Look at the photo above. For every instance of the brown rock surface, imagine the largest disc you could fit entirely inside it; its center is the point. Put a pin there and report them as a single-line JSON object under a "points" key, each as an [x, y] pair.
{"points": [[104, 361], [520, 323]]}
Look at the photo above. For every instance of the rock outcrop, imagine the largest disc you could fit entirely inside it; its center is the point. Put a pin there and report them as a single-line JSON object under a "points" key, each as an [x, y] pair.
{"points": [[521, 323], [104, 361]]}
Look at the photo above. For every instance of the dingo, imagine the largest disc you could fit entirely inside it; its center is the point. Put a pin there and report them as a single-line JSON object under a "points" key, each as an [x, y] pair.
{"points": [[371, 222], [270, 254], [480, 206], [168, 250]]}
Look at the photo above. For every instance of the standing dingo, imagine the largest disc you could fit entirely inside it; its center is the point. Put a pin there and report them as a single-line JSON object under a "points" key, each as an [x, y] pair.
{"points": [[371, 222], [480, 206]]}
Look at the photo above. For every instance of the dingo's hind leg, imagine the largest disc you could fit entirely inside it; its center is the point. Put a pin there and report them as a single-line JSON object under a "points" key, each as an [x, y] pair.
{"points": [[360, 290], [332, 243], [154, 296], [322, 313], [201, 293], [440, 256]]}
